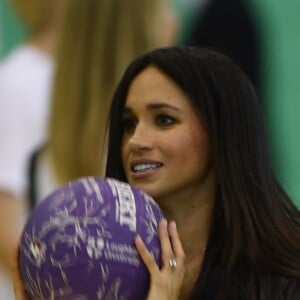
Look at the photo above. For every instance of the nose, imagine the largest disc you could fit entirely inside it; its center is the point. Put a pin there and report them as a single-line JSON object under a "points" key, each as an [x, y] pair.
{"points": [[141, 139]]}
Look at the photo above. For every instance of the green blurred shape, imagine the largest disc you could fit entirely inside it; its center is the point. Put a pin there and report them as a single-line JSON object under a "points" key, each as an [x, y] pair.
{"points": [[12, 30]]}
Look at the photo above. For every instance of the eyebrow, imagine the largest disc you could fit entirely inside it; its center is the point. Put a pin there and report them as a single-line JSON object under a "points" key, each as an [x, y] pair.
{"points": [[154, 106]]}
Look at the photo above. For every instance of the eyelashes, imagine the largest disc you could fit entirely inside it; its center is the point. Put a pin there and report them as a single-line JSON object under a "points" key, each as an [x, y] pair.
{"points": [[164, 120], [160, 120], [129, 124]]}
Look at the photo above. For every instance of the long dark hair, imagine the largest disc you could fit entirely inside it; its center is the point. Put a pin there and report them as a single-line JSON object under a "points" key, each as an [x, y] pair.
{"points": [[256, 230]]}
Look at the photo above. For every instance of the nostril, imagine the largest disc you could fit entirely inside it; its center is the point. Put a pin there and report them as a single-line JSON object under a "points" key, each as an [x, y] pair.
{"points": [[141, 148], [139, 143]]}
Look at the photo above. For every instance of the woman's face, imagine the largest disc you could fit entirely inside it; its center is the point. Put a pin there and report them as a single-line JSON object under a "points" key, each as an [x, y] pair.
{"points": [[165, 149]]}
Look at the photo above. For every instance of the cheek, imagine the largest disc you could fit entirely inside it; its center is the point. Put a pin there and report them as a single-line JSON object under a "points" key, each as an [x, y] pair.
{"points": [[191, 147], [201, 146]]}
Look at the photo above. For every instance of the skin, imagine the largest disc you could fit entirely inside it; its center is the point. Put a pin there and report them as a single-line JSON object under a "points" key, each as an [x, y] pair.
{"points": [[12, 214], [19, 289], [170, 23], [166, 152], [45, 37], [165, 282]]}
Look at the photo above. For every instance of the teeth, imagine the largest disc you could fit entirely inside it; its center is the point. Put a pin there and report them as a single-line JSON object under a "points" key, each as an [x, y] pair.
{"points": [[145, 167]]}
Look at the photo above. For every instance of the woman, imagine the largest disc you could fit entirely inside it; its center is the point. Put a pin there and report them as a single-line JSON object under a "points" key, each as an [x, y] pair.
{"points": [[185, 127]]}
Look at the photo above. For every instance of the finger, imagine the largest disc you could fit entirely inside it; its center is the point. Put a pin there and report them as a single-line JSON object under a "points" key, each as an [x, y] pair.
{"points": [[146, 256], [19, 289], [176, 243], [166, 247]]}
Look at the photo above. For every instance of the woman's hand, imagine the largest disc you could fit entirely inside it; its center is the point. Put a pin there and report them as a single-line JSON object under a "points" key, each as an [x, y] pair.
{"points": [[167, 281], [19, 288]]}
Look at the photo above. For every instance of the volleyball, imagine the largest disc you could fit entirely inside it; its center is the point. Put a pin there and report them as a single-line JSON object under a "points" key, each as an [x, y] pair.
{"points": [[78, 243]]}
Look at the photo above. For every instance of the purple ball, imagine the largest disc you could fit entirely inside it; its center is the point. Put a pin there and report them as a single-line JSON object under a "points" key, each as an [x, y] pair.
{"points": [[78, 243]]}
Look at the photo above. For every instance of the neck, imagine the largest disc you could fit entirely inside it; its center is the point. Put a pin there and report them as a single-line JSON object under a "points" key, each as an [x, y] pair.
{"points": [[45, 41], [193, 213], [45, 37], [194, 224]]}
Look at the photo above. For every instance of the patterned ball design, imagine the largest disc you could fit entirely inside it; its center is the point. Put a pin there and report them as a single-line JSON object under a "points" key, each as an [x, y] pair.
{"points": [[78, 243]]}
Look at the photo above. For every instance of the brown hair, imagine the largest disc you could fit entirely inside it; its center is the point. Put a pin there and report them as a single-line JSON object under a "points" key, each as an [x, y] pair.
{"points": [[98, 40]]}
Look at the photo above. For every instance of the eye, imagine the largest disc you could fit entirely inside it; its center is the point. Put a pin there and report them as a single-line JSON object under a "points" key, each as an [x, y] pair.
{"points": [[129, 124], [164, 120]]}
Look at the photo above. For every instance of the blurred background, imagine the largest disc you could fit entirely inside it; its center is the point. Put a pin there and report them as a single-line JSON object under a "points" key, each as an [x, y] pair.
{"points": [[277, 29]]}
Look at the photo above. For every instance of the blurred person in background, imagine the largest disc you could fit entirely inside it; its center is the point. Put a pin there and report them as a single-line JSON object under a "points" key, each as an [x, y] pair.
{"points": [[99, 39], [25, 85], [228, 26]]}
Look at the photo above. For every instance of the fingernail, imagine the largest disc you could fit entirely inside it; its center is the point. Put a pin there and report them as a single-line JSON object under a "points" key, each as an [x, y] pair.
{"points": [[173, 223], [164, 223], [138, 238]]}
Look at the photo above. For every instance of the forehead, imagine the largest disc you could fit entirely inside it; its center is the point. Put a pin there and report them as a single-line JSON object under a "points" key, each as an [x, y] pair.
{"points": [[153, 85]]}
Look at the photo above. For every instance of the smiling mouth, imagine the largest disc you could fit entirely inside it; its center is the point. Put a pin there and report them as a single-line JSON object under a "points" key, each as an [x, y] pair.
{"points": [[141, 168]]}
